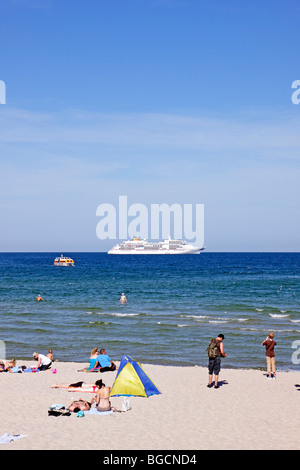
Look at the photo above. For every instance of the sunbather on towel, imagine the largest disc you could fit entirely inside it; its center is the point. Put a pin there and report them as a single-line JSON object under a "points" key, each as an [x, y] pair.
{"points": [[7, 366], [80, 405], [82, 385]]}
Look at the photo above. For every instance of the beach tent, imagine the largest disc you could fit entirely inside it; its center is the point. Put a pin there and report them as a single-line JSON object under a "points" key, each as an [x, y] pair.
{"points": [[132, 380]]}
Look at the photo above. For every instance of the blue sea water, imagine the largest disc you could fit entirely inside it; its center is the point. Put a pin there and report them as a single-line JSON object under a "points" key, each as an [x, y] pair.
{"points": [[175, 305]]}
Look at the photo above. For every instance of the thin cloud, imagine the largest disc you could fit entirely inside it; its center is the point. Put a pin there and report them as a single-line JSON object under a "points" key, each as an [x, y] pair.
{"points": [[154, 131]]}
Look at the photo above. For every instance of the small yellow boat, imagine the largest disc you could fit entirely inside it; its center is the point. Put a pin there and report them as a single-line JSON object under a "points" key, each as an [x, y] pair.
{"points": [[63, 261]]}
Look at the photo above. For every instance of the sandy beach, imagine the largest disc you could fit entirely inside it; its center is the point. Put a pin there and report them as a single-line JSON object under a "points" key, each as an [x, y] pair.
{"points": [[247, 411]]}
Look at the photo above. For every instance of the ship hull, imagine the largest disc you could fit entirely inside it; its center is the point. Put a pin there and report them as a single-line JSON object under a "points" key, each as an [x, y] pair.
{"points": [[166, 247], [153, 252], [63, 264]]}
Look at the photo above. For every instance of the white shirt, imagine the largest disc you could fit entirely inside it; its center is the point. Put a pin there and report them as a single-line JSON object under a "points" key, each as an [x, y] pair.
{"points": [[44, 360]]}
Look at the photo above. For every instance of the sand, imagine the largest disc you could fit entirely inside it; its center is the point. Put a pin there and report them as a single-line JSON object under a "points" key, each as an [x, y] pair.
{"points": [[248, 411]]}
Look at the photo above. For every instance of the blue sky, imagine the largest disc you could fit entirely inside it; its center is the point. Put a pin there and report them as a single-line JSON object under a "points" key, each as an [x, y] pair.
{"points": [[165, 101]]}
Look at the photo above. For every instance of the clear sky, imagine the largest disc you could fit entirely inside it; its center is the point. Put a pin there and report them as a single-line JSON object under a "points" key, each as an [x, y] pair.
{"points": [[164, 101]]}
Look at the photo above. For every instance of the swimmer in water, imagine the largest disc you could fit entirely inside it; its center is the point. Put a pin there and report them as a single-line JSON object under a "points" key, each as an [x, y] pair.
{"points": [[39, 298]]}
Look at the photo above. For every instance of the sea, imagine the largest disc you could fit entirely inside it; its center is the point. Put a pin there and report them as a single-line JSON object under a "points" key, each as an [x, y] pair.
{"points": [[176, 304]]}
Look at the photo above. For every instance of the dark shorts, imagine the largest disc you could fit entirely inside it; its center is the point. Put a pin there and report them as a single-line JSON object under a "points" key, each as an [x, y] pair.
{"points": [[46, 367], [106, 369], [214, 366]]}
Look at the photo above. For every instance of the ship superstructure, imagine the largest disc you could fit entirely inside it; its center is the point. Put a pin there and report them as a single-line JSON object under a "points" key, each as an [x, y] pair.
{"points": [[143, 247]]}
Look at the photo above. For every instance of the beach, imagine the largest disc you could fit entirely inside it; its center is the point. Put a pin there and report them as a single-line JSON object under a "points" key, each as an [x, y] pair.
{"points": [[247, 412]]}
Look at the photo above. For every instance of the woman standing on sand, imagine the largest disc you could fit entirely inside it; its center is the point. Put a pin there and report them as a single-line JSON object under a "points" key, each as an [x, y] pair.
{"points": [[270, 344]]}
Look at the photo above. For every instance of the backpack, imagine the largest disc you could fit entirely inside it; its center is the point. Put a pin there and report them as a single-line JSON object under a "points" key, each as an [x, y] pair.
{"points": [[212, 350]]}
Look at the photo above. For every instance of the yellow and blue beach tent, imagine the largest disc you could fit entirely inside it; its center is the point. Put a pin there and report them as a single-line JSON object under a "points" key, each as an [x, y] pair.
{"points": [[132, 380]]}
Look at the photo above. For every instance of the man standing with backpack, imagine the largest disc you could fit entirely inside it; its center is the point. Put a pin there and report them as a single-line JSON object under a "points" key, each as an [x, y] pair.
{"points": [[215, 351]]}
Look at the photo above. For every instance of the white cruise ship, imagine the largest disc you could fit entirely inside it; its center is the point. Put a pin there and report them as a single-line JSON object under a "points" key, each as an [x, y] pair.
{"points": [[143, 247]]}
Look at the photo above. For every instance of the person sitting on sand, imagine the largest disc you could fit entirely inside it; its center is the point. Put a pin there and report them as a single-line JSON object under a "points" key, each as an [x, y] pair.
{"points": [[80, 405], [44, 362], [102, 399], [39, 298], [93, 360], [103, 360]]}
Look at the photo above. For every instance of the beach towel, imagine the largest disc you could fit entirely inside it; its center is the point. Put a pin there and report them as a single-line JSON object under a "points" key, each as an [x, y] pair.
{"points": [[57, 406], [6, 438], [31, 369], [82, 390], [94, 411], [91, 367]]}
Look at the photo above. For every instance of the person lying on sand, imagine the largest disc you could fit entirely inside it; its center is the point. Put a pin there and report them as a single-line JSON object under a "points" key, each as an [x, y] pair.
{"points": [[80, 405], [82, 385], [8, 365]]}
